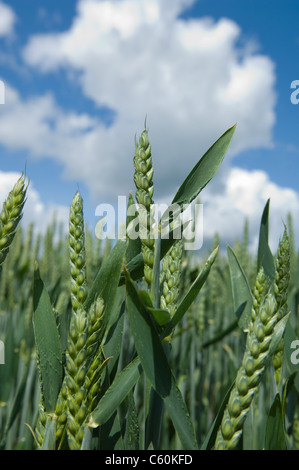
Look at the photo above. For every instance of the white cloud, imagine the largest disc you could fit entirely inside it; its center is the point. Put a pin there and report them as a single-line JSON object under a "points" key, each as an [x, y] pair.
{"points": [[7, 19], [40, 126], [243, 196], [192, 81], [139, 58]]}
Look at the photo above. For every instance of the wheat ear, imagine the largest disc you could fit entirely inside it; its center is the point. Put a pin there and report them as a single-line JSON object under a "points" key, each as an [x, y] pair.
{"points": [[248, 376], [170, 277], [77, 253], [11, 215], [281, 283], [143, 178], [266, 312]]}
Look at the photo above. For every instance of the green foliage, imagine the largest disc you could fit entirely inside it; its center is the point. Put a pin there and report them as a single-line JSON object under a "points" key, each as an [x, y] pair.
{"points": [[140, 344]]}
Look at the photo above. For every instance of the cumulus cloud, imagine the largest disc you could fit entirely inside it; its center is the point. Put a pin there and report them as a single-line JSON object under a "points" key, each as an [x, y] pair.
{"points": [[243, 196], [7, 19], [190, 78], [40, 126]]}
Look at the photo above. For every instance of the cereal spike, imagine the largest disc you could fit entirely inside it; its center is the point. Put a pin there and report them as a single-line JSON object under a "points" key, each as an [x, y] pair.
{"points": [[282, 274], [143, 178], [172, 266], [95, 316], [11, 215], [296, 433], [249, 374], [93, 379], [74, 400], [281, 283], [40, 425], [258, 293], [76, 368], [61, 414], [77, 253]]}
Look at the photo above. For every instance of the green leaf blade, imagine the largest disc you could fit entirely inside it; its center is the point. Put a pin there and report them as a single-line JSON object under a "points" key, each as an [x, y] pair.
{"points": [[107, 281], [275, 438], [156, 367], [240, 289], [116, 393], [48, 344], [265, 257], [204, 170]]}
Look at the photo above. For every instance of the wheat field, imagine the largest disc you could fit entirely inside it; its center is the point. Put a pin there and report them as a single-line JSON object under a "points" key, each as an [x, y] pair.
{"points": [[141, 344]]}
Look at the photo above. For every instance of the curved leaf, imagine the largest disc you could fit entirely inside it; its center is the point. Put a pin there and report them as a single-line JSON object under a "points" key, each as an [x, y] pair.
{"points": [[265, 257], [275, 438], [240, 289], [116, 393], [107, 281], [204, 170], [48, 345]]}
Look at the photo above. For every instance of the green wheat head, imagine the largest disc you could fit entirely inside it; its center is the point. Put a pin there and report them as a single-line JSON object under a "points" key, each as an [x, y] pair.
{"points": [[269, 306], [10, 216], [170, 277], [281, 283], [77, 253], [249, 374], [143, 178]]}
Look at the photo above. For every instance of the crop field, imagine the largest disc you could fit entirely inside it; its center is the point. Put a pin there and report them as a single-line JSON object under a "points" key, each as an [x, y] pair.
{"points": [[139, 343]]}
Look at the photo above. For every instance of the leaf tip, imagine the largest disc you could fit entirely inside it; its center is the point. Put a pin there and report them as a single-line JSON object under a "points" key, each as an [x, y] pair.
{"points": [[91, 423]]}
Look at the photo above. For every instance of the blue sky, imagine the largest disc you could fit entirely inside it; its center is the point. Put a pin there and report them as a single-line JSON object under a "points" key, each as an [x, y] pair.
{"points": [[81, 76], [274, 25]]}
